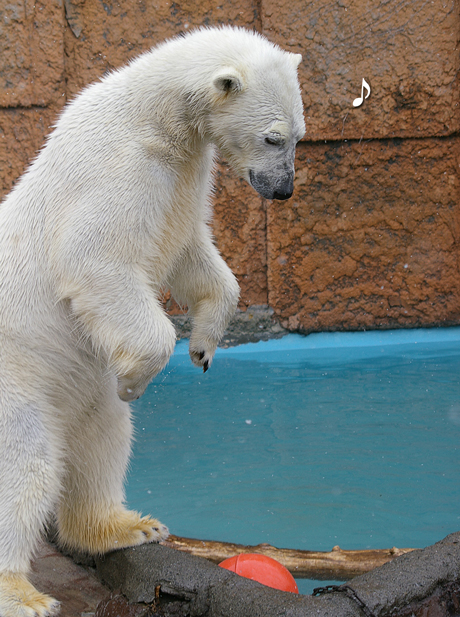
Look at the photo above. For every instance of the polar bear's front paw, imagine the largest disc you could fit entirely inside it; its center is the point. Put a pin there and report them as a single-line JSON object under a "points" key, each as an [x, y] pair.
{"points": [[201, 359], [202, 348], [18, 598], [130, 389], [134, 372]]}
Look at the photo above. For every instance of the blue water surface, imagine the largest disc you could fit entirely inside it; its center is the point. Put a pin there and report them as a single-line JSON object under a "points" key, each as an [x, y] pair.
{"points": [[306, 442]]}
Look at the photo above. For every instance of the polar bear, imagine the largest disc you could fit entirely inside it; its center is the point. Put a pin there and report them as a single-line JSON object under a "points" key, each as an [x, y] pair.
{"points": [[115, 208]]}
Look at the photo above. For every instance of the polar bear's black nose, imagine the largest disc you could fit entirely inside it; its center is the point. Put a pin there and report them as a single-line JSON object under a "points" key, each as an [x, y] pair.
{"points": [[271, 186], [285, 188], [282, 194]]}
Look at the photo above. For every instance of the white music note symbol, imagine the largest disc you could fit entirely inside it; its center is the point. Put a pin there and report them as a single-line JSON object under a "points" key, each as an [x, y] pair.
{"points": [[360, 100]]}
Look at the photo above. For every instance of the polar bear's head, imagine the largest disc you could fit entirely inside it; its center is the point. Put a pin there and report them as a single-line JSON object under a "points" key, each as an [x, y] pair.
{"points": [[257, 116]]}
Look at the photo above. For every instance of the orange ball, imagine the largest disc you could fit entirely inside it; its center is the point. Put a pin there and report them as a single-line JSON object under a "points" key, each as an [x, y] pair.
{"points": [[262, 569]]}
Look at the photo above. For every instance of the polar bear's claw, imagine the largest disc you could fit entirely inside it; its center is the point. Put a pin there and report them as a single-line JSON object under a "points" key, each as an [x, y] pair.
{"points": [[54, 608], [152, 531], [201, 359]]}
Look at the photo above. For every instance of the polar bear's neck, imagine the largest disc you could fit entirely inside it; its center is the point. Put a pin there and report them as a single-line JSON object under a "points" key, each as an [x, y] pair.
{"points": [[167, 102]]}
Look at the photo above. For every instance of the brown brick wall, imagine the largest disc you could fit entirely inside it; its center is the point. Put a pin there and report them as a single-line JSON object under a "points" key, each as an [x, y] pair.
{"points": [[371, 237]]}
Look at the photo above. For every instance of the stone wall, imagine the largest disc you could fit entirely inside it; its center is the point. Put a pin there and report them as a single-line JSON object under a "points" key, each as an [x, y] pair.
{"points": [[371, 236]]}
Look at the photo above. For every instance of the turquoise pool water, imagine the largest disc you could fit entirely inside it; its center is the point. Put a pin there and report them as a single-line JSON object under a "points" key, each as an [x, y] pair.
{"points": [[306, 442]]}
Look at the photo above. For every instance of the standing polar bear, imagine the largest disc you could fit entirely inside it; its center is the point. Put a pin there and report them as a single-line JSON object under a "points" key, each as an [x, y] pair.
{"points": [[115, 208]]}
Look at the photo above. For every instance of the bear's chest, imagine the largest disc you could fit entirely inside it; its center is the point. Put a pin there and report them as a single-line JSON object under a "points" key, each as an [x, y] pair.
{"points": [[177, 221]]}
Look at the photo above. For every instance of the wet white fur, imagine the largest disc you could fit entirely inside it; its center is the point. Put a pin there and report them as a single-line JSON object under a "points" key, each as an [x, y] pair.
{"points": [[114, 209]]}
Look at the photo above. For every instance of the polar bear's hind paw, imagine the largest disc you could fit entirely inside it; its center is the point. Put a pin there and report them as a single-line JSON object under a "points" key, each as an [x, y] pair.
{"points": [[117, 529], [131, 530], [153, 530], [19, 598]]}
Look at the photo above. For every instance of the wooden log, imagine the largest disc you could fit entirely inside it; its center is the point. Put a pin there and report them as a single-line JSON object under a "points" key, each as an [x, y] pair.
{"points": [[338, 564]]}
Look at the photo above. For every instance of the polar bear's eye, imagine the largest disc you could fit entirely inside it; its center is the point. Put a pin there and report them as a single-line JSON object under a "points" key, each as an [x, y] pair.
{"points": [[274, 141]]}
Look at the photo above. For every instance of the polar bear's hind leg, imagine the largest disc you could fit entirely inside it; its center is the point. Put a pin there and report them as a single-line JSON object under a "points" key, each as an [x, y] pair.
{"points": [[91, 515], [30, 485]]}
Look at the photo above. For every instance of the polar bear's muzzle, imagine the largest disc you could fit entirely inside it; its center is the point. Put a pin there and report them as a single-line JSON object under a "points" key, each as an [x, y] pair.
{"points": [[272, 187]]}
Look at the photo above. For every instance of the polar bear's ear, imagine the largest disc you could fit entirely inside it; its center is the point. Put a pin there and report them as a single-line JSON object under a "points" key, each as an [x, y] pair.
{"points": [[296, 59], [228, 80]]}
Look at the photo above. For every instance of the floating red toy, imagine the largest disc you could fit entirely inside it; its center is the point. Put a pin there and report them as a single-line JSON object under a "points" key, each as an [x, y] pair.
{"points": [[262, 569]]}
